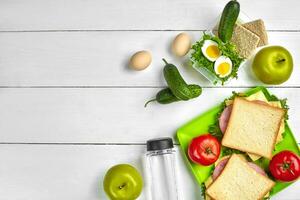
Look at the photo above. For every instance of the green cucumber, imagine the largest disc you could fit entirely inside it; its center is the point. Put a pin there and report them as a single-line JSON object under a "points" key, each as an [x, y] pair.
{"points": [[195, 89], [228, 19], [176, 83], [165, 96]]}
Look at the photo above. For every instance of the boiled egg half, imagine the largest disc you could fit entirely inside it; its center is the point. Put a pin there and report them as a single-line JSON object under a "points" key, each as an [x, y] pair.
{"points": [[223, 66], [211, 50]]}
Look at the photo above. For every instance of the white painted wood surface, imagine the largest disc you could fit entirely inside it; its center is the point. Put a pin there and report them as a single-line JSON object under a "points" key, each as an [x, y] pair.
{"points": [[76, 172], [137, 14], [64, 82], [101, 58], [76, 115], [71, 171]]}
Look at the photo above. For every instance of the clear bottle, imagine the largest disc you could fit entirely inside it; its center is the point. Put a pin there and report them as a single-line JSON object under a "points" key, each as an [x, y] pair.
{"points": [[161, 170]]}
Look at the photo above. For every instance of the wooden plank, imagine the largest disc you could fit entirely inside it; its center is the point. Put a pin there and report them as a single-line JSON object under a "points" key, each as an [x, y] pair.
{"points": [[76, 172], [101, 59], [137, 14], [105, 115], [72, 172]]}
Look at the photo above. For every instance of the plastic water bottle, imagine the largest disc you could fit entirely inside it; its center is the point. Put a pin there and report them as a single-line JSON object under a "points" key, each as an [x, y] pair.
{"points": [[161, 178]]}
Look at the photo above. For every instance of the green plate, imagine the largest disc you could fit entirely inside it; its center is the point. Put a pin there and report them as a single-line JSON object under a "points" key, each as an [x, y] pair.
{"points": [[200, 125]]}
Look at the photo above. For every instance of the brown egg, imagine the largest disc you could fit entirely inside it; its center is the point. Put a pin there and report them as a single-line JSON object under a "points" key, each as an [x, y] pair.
{"points": [[181, 44], [140, 60]]}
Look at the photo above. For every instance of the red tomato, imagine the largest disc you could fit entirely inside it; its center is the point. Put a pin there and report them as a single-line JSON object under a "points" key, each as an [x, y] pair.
{"points": [[285, 166], [204, 150]]}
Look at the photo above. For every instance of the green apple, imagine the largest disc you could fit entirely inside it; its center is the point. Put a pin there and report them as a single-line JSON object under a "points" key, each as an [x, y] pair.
{"points": [[273, 65], [123, 182]]}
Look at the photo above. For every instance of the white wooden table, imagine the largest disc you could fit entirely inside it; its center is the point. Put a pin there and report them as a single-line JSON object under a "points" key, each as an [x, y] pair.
{"points": [[69, 106]]}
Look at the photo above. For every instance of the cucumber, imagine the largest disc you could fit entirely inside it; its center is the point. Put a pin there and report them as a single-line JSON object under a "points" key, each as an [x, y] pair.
{"points": [[195, 89], [176, 83], [228, 19], [165, 96]]}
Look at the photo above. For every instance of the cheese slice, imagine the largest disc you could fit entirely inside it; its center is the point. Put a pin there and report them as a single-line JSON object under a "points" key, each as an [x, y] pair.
{"points": [[254, 157], [257, 96]]}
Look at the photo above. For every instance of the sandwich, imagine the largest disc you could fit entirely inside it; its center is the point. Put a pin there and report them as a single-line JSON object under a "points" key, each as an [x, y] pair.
{"points": [[219, 129], [239, 179], [248, 126], [253, 127]]}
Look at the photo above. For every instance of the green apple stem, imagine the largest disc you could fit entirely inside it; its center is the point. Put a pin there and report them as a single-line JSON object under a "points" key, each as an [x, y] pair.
{"points": [[122, 186], [281, 60]]}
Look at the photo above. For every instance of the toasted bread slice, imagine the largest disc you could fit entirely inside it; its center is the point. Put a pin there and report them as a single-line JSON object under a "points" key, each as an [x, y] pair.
{"points": [[258, 28], [239, 181], [244, 40], [253, 127]]}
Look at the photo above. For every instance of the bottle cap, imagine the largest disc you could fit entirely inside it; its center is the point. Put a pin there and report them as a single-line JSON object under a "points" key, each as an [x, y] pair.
{"points": [[159, 144]]}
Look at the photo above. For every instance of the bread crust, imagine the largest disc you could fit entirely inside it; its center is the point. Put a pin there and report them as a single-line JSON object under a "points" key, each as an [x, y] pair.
{"points": [[232, 117]]}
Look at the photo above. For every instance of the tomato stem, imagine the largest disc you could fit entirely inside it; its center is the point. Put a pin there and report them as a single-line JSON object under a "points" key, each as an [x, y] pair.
{"points": [[287, 166], [209, 151]]}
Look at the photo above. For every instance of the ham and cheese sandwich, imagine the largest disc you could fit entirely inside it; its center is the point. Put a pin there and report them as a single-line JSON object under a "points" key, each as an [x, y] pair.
{"points": [[253, 127], [239, 179]]}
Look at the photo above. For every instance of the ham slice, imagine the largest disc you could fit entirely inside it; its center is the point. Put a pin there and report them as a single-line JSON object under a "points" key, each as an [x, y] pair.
{"points": [[219, 168], [224, 118], [257, 168]]}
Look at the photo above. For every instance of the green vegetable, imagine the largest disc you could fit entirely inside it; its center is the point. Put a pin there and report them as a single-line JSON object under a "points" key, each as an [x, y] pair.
{"points": [[166, 96], [202, 191], [283, 103], [228, 151], [228, 49], [228, 19], [176, 83]]}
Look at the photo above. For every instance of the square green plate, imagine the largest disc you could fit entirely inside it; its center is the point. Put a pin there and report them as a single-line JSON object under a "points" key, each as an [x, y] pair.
{"points": [[200, 125]]}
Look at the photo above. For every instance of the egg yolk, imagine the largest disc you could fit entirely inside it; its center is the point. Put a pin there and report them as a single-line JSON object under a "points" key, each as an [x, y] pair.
{"points": [[223, 68], [213, 51]]}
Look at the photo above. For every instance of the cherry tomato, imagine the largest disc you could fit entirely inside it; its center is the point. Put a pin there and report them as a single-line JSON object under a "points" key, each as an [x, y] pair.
{"points": [[204, 149], [285, 166]]}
